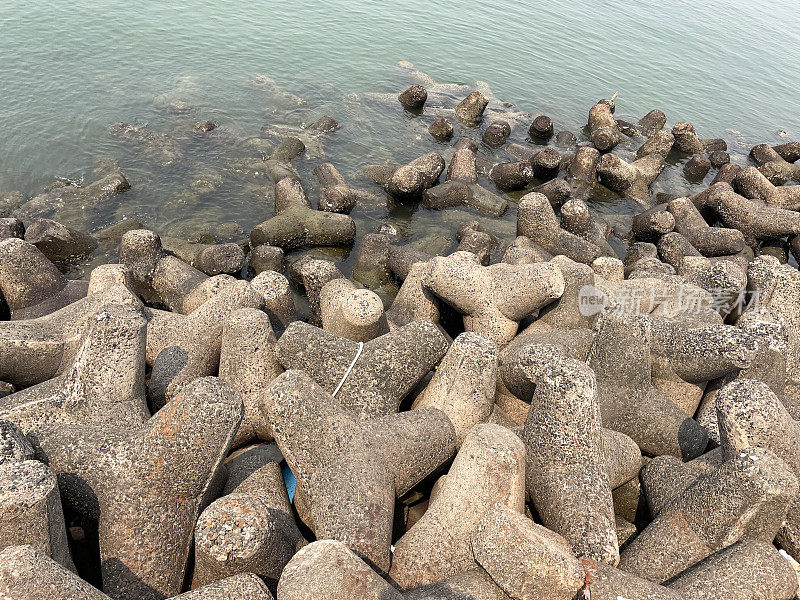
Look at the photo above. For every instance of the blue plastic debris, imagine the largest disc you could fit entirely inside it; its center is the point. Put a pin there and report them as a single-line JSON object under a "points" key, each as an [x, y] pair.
{"points": [[291, 482]]}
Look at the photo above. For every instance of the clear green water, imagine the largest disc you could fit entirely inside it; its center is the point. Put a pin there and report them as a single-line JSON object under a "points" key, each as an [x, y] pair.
{"points": [[70, 69]]}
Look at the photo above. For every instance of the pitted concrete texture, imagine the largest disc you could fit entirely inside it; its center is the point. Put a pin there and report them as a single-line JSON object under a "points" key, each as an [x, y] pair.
{"points": [[31, 284], [245, 586], [566, 312], [567, 479], [144, 481], [313, 274], [103, 384], [351, 467], [151, 485], [488, 469], [251, 528], [27, 574], [746, 497], [248, 364], [30, 510], [604, 582], [527, 560], [603, 129], [464, 384], [35, 350], [751, 415], [474, 584], [746, 569], [278, 299], [493, 299], [329, 569], [470, 109], [387, 369], [755, 220]]}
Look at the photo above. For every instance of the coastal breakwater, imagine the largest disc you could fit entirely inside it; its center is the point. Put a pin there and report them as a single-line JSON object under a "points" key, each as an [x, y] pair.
{"points": [[577, 378]]}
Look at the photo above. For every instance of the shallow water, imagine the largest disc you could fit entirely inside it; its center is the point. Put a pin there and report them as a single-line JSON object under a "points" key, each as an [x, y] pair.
{"points": [[69, 70]]}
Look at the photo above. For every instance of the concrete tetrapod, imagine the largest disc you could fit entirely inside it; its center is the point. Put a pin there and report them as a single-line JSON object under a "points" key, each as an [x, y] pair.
{"points": [[751, 183], [567, 313], [27, 574], [14, 446], [603, 129], [371, 268], [710, 241], [747, 569], [408, 182], [414, 97], [30, 510], [313, 274], [413, 301], [336, 195], [651, 224], [329, 569], [474, 584], [352, 312], [183, 347], [251, 528], [745, 497], [493, 299], [489, 468], [780, 295], [71, 201], [755, 220], [520, 365], [220, 258], [145, 483], [566, 475], [470, 109], [768, 366], [277, 294], [750, 414], [537, 220], [384, 371], [61, 244], [266, 258], [35, 350], [151, 484], [159, 277], [660, 142], [245, 586], [632, 180], [604, 582], [689, 351], [620, 359], [527, 560], [463, 386], [774, 166], [103, 386], [32, 285], [248, 364], [297, 224], [577, 219], [355, 466], [687, 140]]}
